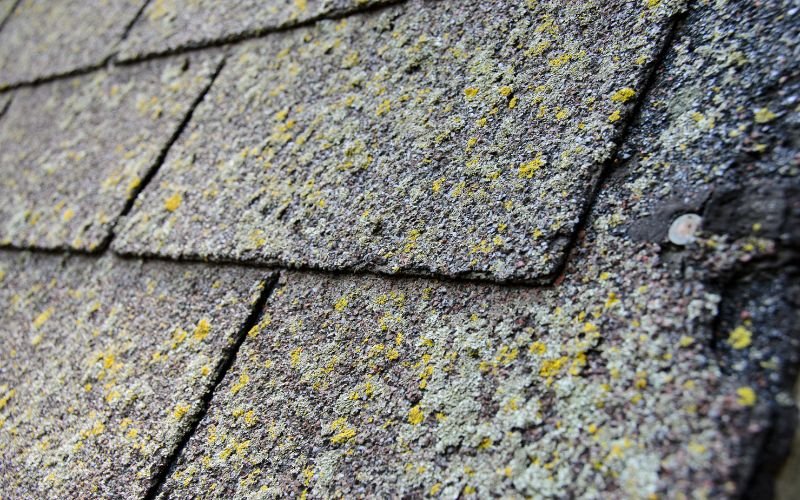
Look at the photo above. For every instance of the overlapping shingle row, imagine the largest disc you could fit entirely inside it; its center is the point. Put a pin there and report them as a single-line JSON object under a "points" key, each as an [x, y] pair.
{"points": [[527, 141]]}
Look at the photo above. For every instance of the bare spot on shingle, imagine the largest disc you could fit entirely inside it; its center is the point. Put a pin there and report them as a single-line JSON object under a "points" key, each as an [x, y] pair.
{"points": [[429, 137], [73, 152], [103, 365], [50, 37], [173, 24]]}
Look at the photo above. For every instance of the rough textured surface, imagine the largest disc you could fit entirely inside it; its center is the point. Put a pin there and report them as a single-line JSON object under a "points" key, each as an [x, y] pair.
{"points": [[651, 366], [429, 137], [51, 37], [168, 25], [73, 152], [647, 370], [104, 364]]}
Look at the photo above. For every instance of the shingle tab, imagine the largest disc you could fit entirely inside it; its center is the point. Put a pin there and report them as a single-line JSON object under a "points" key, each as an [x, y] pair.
{"points": [[369, 387], [168, 25], [73, 152], [103, 365], [50, 37], [425, 138]]}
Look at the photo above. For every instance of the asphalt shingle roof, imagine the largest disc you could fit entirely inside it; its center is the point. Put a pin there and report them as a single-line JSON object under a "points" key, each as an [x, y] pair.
{"points": [[448, 262]]}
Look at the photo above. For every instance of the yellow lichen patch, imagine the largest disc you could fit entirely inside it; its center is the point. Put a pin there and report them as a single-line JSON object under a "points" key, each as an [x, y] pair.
{"points": [[685, 341], [764, 115], [340, 304], [740, 337], [506, 91], [344, 433], [244, 378], [415, 415], [652, 4], [470, 93], [614, 117], [561, 60], [527, 169], [67, 215], [294, 356], [301, 5], [437, 184], [552, 367], [42, 318], [202, 330], [746, 396], [180, 411], [537, 348], [10, 394], [623, 95], [383, 108], [173, 202], [513, 102]]}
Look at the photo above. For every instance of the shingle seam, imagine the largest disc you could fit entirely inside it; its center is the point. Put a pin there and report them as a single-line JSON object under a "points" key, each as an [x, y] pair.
{"points": [[228, 358], [4, 20], [608, 166], [255, 33], [132, 23], [159, 161]]}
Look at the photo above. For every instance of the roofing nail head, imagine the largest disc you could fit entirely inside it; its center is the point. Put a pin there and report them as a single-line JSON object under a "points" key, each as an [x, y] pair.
{"points": [[683, 229]]}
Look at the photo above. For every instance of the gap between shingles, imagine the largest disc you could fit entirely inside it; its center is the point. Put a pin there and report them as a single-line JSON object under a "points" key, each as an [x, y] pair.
{"points": [[159, 161], [675, 25], [10, 13], [229, 357]]}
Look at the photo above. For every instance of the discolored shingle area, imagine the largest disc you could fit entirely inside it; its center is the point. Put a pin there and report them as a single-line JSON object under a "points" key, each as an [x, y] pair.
{"points": [[365, 386], [43, 38], [74, 152], [168, 25], [429, 137], [104, 364]]}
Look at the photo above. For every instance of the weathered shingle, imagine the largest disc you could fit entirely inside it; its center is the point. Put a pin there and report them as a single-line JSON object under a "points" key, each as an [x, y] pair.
{"points": [[168, 25], [43, 38], [73, 152], [366, 386], [103, 365], [462, 140]]}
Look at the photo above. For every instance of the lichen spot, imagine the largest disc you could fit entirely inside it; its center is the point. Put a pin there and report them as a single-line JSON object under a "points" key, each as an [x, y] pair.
{"points": [[67, 215], [470, 93], [202, 330], [415, 415], [437, 184], [506, 91], [173, 202], [740, 337], [301, 5], [180, 411], [527, 169], [746, 396], [340, 304], [294, 356], [42, 318], [614, 117], [623, 95], [764, 115]]}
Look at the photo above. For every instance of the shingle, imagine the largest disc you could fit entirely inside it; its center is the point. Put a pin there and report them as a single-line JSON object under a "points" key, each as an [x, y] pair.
{"points": [[425, 138], [73, 152], [103, 365], [50, 37], [355, 386], [168, 25]]}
